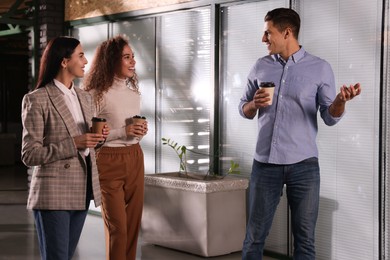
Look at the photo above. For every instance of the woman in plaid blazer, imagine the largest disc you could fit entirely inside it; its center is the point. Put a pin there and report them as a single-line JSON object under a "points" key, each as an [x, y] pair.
{"points": [[56, 119]]}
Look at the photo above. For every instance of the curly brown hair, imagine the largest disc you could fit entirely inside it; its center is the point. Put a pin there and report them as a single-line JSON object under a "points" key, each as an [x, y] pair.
{"points": [[105, 64]]}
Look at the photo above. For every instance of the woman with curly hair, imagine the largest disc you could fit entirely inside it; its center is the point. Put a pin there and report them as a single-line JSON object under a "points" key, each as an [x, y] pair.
{"points": [[113, 83]]}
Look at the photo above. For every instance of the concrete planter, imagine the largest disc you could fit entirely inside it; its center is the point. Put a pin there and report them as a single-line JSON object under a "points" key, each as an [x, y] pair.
{"points": [[206, 218]]}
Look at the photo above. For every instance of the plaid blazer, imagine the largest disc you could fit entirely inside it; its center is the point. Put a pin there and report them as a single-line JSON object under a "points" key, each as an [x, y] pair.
{"points": [[59, 179]]}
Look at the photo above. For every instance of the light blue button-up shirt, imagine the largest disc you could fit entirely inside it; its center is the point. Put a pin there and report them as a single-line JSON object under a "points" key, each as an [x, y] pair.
{"points": [[288, 128]]}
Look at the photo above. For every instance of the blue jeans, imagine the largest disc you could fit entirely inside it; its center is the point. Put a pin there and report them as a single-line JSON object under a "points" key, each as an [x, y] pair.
{"points": [[302, 182], [59, 232]]}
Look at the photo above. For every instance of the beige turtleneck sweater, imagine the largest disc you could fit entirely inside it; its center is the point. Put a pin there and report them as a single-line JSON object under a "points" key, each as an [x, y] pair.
{"points": [[118, 106]]}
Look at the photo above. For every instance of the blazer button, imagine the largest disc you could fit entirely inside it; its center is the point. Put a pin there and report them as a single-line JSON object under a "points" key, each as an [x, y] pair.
{"points": [[66, 166]]}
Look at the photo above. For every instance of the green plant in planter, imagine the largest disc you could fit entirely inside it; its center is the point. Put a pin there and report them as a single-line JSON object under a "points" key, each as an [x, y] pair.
{"points": [[181, 152]]}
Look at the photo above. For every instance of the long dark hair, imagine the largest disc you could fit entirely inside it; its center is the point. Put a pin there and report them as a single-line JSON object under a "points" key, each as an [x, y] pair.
{"points": [[56, 50], [105, 64]]}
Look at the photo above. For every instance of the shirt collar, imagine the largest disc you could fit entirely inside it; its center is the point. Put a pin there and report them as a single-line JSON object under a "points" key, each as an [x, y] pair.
{"points": [[64, 89], [296, 57]]}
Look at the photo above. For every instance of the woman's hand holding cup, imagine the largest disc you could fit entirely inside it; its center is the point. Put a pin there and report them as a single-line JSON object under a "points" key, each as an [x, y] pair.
{"points": [[138, 127], [99, 126]]}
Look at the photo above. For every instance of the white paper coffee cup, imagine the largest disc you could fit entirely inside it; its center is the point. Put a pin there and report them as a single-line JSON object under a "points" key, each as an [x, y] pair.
{"points": [[269, 87]]}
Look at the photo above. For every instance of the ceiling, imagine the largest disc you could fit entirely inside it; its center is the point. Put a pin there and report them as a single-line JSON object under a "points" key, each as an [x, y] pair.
{"points": [[6, 5], [15, 23], [15, 15]]}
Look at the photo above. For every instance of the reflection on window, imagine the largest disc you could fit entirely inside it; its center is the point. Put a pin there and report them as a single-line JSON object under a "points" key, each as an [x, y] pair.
{"points": [[184, 85], [141, 34], [90, 37]]}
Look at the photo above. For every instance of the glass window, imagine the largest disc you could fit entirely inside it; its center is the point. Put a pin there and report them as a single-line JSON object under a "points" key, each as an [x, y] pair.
{"points": [[141, 34], [90, 37], [347, 35], [184, 85]]}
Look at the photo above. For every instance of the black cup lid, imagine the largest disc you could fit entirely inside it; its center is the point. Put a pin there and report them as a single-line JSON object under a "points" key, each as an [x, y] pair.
{"points": [[267, 84], [138, 116], [98, 119]]}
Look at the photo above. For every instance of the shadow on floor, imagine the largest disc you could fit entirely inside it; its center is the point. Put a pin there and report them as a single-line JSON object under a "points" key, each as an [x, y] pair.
{"points": [[18, 240]]}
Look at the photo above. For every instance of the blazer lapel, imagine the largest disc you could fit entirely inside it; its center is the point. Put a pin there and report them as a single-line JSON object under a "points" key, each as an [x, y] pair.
{"points": [[57, 98], [86, 106]]}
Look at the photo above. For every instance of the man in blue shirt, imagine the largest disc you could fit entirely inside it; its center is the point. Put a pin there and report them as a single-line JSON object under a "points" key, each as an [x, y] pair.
{"points": [[286, 150]]}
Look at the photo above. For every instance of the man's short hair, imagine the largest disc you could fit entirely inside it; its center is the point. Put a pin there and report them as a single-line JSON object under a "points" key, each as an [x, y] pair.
{"points": [[282, 18]]}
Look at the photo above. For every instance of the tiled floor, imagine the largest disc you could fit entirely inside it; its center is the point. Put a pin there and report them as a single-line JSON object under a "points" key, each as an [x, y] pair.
{"points": [[18, 239]]}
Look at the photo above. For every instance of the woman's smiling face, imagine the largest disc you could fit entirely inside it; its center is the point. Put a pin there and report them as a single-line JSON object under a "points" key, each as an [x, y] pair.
{"points": [[76, 63], [127, 67]]}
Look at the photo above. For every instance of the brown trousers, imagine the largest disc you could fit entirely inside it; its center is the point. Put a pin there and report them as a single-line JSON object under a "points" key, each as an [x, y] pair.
{"points": [[121, 175]]}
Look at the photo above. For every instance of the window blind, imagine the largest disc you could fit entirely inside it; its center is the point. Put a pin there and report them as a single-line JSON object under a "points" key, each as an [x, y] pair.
{"points": [[185, 90], [347, 34]]}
